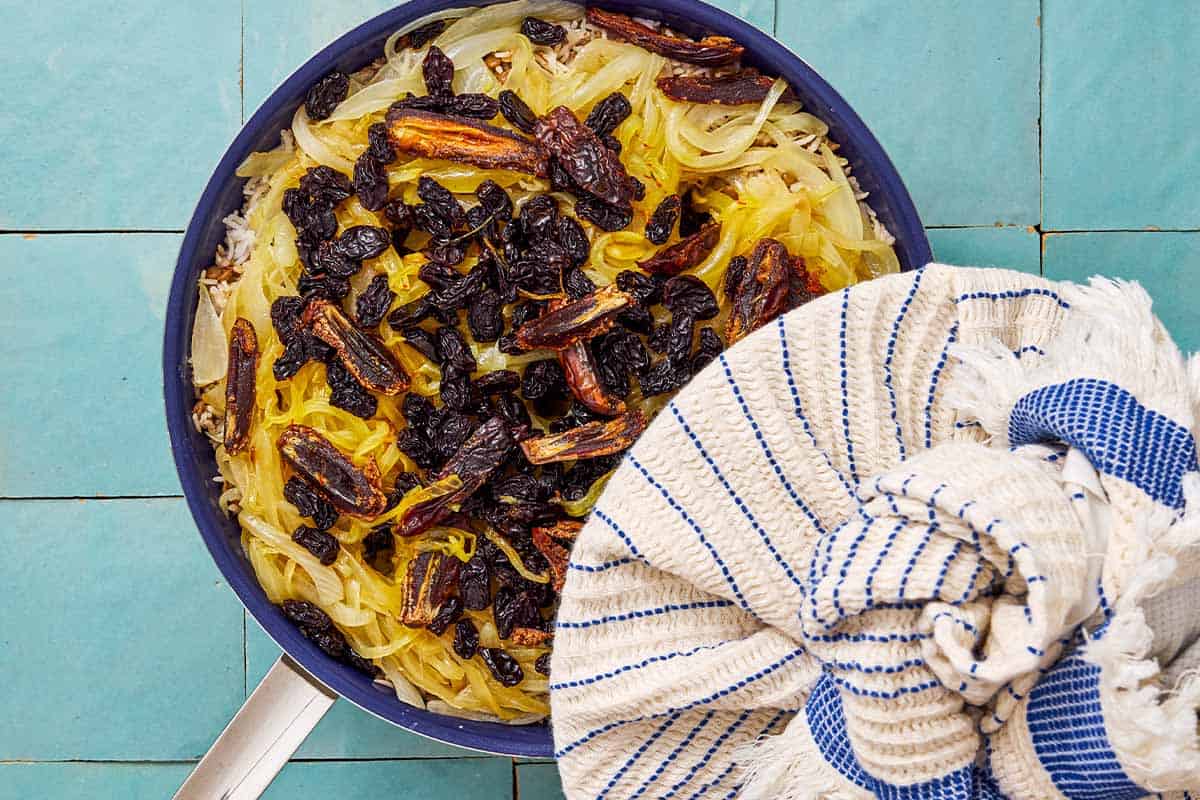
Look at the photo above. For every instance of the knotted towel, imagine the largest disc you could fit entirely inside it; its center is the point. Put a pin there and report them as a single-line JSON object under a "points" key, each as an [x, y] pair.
{"points": [[936, 536]]}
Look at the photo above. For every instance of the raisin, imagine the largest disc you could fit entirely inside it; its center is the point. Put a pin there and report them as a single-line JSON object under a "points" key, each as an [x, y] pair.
{"points": [[710, 347], [361, 242], [500, 380], [662, 221], [306, 615], [542, 665], [450, 254], [295, 355], [526, 311], [426, 33], [321, 544], [325, 94], [485, 317], [608, 114], [513, 411], [474, 583], [517, 112], [451, 433], [416, 447], [446, 616], [637, 187], [645, 289], [691, 219], [637, 319], [378, 542], [399, 214], [378, 144], [438, 72], [573, 238], [326, 186], [441, 199], [504, 668], [405, 483], [285, 316], [604, 216], [370, 182], [348, 394], [733, 275], [577, 284], [466, 639], [329, 287], [456, 389], [494, 199], [309, 504], [538, 217], [544, 380], [372, 305], [614, 144], [428, 219], [539, 269], [423, 342], [512, 609], [331, 641], [476, 106], [329, 260], [665, 376], [453, 349], [362, 665], [687, 294], [423, 102], [539, 31]]}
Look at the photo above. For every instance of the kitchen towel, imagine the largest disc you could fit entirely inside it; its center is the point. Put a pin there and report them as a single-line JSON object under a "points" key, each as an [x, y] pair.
{"points": [[934, 536]]}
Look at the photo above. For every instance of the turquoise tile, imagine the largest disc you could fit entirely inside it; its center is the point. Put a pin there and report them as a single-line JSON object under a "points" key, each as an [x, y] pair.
{"points": [[1011, 247], [443, 779], [539, 782], [1166, 264], [949, 87], [122, 110], [120, 640], [282, 34], [90, 781], [346, 731], [1120, 148], [80, 341]]}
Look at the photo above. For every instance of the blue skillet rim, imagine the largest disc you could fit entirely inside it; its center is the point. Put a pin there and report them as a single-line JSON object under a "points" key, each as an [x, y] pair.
{"points": [[194, 459]]}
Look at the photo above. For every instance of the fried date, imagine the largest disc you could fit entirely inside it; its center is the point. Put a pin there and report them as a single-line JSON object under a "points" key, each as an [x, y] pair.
{"points": [[353, 491], [367, 359], [556, 555], [711, 51], [239, 385], [530, 637], [584, 157], [517, 111], [762, 292], [729, 90], [684, 254], [428, 582], [583, 378], [575, 321], [431, 135], [589, 440]]}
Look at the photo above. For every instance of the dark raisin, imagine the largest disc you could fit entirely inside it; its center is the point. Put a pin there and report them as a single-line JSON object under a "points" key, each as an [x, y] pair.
{"points": [[378, 542], [680, 333], [608, 114], [504, 668], [662, 221], [348, 394], [414, 445], [577, 284], [643, 287], [438, 276], [691, 219], [370, 182], [331, 287], [474, 583], [504, 611], [398, 213], [416, 409], [438, 71], [544, 380], [539, 270], [321, 544], [362, 665], [476, 106], [324, 96], [441, 199], [285, 316], [446, 616], [494, 199], [454, 430], [466, 639], [306, 615], [625, 347], [542, 664], [538, 217], [573, 238], [329, 260], [614, 144], [687, 294], [539, 31], [423, 342], [363, 241], [378, 143], [733, 275], [579, 480], [372, 305], [405, 483], [453, 349], [517, 112], [428, 219], [309, 503], [513, 411], [331, 641], [485, 317], [665, 376], [450, 254], [295, 355], [602, 215], [710, 347], [526, 311], [426, 33], [456, 389], [638, 188], [325, 185], [425, 102]]}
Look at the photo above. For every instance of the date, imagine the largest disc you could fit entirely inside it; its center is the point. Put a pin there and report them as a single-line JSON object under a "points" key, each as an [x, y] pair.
{"points": [[711, 51], [575, 321], [428, 583], [352, 491], [684, 254], [762, 292], [363, 355], [239, 385], [590, 440], [583, 156], [583, 379], [730, 90], [469, 141]]}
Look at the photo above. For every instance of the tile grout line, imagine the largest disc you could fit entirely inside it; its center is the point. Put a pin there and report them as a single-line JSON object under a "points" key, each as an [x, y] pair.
{"points": [[1041, 137]]}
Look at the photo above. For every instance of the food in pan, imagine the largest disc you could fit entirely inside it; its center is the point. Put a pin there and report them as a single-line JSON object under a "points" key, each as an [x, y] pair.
{"points": [[461, 286]]}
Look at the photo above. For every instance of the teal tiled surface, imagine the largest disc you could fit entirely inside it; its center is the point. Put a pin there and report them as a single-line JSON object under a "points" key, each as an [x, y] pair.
{"points": [[128, 650], [115, 619], [1121, 149]]}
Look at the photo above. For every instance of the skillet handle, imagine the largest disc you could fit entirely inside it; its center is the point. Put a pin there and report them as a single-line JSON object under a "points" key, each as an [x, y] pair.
{"points": [[272, 723]]}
